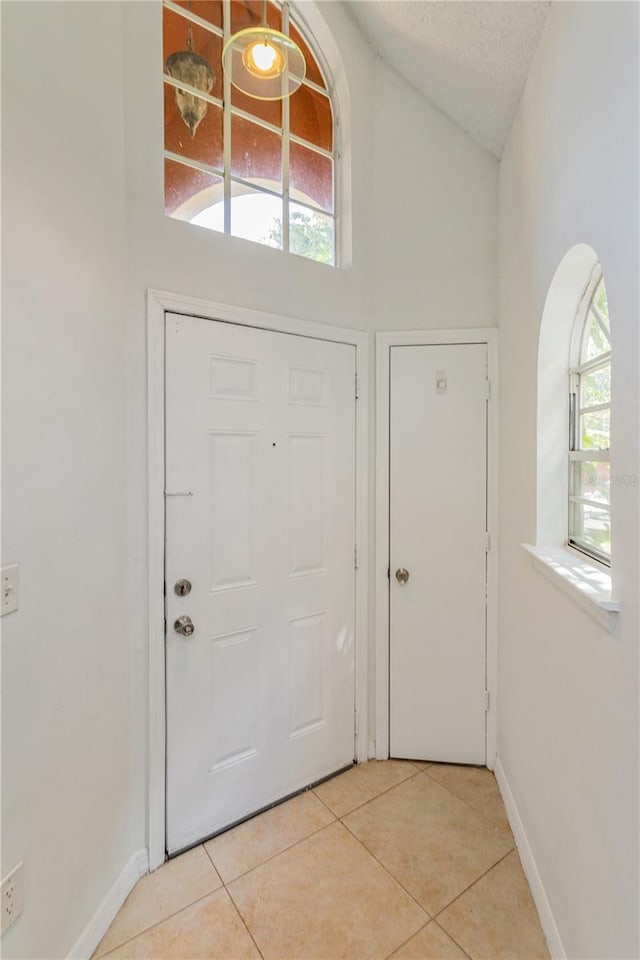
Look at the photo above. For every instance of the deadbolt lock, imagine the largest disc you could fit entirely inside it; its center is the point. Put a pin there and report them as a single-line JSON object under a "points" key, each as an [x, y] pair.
{"points": [[402, 575], [184, 626], [182, 587]]}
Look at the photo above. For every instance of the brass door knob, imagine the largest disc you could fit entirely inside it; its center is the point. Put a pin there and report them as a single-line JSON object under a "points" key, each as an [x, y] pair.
{"points": [[402, 575]]}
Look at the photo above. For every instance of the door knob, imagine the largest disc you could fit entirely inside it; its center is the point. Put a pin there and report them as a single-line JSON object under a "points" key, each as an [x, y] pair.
{"points": [[184, 625], [402, 575]]}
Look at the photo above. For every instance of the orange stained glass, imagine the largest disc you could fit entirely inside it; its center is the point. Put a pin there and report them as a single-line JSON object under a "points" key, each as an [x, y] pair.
{"points": [[182, 184], [256, 153], [311, 117], [269, 110], [206, 146], [313, 70], [311, 176], [209, 10], [248, 13], [205, 44]]}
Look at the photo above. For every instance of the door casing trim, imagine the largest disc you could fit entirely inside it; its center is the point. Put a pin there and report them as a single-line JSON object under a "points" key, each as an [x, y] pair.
{"points": [[160, 302], [384, 342]]}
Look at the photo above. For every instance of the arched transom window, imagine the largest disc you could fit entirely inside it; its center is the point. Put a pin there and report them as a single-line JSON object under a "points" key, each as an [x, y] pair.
{"points": [[258, 169], [590, 425]]}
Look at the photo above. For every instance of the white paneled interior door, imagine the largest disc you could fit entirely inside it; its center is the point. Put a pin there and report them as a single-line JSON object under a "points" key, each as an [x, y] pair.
{"points": [[260, 519], [438, 511]]}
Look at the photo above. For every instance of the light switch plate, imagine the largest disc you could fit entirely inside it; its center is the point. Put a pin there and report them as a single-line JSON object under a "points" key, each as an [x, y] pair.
{"points": [[9, 599]]}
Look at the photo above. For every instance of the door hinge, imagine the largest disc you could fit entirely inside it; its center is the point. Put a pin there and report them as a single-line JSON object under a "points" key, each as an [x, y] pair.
{"points": [[355, 721], [487, 541], [487, 389], [357, 385], [486, 701], [355, 556]]}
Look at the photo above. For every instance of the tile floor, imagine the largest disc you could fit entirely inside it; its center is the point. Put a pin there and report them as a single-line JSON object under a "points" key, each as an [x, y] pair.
{"points": [[390, 859]]}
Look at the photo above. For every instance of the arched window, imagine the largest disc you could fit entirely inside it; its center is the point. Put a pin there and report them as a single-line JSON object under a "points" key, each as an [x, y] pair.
{"points": [[590, 424], [258, 169]]}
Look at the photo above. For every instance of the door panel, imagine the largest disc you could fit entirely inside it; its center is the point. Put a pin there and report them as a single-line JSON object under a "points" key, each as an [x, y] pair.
{"points": [[260, 699], [438, 465]]}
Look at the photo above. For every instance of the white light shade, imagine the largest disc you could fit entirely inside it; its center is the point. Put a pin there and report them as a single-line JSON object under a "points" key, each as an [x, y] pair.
{"points": [[263, 63]]}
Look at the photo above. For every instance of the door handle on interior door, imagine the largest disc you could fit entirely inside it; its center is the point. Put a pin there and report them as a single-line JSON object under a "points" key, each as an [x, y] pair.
{"points": [[184, 626], [402, 575]]}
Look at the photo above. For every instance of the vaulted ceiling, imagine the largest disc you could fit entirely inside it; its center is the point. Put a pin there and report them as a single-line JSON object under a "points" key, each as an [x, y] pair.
{"points": [[470, 58]]}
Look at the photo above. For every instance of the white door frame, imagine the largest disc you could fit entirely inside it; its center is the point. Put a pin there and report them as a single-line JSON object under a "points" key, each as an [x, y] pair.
{"points": [[384, 342], [158, 303]]}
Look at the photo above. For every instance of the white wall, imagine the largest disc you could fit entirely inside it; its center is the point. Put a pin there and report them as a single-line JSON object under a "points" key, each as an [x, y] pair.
{"points": [[66, 712], [568, 717], [85, 236], [422, 256]]}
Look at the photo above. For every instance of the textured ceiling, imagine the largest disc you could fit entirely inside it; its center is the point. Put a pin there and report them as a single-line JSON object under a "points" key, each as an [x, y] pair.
{"points": [[468, 57]]}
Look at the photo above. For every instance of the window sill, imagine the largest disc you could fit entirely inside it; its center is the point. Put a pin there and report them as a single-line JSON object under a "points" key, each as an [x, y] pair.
{"points": [[586, 584]]}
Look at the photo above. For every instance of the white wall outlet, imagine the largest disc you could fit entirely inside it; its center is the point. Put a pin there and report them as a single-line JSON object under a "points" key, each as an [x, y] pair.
{"points": [[12, 897], [9, 595]]}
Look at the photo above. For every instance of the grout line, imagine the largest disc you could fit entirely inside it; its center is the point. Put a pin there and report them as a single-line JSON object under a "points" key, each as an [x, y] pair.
{"points": [[245, 924], [279, 852], [447, 934], [472, 884], [410, 776], [469, 804], [123, 943], [389, 874], [404, 942]]}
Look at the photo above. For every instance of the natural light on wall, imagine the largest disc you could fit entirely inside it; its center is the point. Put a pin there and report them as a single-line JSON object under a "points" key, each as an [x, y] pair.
{"points": [[260, 169]]}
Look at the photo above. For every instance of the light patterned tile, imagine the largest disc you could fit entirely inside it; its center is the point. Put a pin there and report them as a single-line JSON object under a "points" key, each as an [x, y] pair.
{"points": [[325, 898], [476, 785], [169, 888], [210, 929], [362, 783], [430, 943], [432, 842], [259, 839], [496, 919]]}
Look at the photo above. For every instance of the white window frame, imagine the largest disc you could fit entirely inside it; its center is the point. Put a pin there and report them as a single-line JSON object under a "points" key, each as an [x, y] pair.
{"points": [[284, 132], [578, 367]]}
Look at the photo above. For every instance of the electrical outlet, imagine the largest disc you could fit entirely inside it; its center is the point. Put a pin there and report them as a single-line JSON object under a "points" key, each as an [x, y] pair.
{"points": [[12, 897], [9, 595]]}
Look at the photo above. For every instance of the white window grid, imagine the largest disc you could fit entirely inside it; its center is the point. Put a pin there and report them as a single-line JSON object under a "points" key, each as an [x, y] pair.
{"points": [[228, 110], [577, 409]]}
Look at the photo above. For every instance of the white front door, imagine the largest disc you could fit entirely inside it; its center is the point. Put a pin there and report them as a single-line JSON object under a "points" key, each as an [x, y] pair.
{"points": [[260, 519], [438, 513]]}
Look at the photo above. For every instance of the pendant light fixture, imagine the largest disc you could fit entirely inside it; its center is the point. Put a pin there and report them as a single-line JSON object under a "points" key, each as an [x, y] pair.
{"points": [[262, 62]]}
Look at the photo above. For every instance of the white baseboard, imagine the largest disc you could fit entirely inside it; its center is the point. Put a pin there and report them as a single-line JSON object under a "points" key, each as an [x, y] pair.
{"points": [[551, 932], [93, 933]]}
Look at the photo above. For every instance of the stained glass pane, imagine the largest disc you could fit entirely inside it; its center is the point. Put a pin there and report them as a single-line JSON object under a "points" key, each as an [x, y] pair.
{"points": [[176, 33], [206, 144], [268, 110], [311, 177], [311, 117], [209, 10], [313, 70], [256, 154], [187, 192], [248, 13]]}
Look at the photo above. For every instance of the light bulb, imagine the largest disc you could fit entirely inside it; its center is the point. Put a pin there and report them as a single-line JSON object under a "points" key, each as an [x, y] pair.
{"points": [[263, 56], [263, 59]]}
